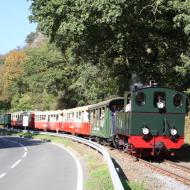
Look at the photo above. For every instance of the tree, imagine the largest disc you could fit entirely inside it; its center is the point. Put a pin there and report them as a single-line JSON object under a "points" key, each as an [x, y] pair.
{"points": [[46, 73], [10, 74], [137, 35], [31, 37], [182, 20]]}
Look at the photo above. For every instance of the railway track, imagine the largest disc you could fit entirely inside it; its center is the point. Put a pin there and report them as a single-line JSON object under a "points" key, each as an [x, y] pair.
{"points": [[169, 173], [166, 167], [184, 168]]}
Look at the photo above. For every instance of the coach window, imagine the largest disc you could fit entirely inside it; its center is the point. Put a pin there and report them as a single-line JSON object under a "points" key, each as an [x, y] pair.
{"points": [[97, 113], [91, 114], [178, 100], [140, 99], [94, 114], [102, 113], [82, 115], [79, 114], [67, 117]]}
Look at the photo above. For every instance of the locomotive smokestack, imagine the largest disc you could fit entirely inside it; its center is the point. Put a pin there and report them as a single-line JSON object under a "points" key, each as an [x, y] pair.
{"points": [[152, 83], [135, 82]]}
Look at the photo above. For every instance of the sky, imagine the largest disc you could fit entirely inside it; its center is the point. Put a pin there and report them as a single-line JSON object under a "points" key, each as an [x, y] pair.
{"points": [[14, 24]]}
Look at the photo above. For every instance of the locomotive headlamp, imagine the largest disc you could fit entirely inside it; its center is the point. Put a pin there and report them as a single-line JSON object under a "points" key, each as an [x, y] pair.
{"points": [[173, 132], [160, 105], [145, 131]]}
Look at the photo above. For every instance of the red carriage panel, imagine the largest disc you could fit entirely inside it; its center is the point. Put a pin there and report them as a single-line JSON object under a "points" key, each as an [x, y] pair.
{"points": [[48, 120], [76, 121]]}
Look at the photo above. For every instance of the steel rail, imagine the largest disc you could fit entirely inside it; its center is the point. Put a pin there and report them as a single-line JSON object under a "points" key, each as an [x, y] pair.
{"points": [[185, 168], [167, 172]]}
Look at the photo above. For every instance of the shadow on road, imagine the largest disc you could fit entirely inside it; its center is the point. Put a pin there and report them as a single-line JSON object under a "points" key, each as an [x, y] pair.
{"points": [[17, 142]]}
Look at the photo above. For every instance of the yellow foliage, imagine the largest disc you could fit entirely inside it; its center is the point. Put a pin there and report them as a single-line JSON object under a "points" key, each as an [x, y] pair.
{"points": [[11, 70]]}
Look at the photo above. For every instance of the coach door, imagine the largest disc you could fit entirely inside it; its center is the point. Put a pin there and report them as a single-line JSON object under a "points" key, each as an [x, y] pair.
{"points": [[47, 120]]}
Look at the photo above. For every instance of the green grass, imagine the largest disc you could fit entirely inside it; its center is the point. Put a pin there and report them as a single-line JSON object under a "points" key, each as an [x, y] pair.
{"points": [[136, 186]]}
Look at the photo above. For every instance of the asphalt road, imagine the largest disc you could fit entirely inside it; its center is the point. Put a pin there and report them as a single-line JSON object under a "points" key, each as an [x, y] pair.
{"points": [[34, 165]]}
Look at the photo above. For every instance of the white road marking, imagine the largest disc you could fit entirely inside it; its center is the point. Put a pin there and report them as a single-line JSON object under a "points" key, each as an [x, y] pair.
{"points": [[15, 164], [2, 175], [79, 169], [24, 155]]}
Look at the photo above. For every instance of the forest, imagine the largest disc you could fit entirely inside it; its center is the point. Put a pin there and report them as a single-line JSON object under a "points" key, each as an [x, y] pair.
{"points": [[93, 50]]}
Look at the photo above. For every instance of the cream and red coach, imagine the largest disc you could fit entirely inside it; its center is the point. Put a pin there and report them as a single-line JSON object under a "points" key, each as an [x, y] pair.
{"points": [[48, 120], [76, 121], [17, 119]]}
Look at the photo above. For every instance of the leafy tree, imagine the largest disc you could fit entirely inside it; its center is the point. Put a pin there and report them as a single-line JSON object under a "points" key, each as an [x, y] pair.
{"points": [[10, 74], [31, 37], [30, 101], [182, 20], [137, 36], [2, 60], [47, 73]]}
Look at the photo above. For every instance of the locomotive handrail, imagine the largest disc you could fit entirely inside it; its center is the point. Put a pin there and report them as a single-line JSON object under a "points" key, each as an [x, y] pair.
{"points": [[114, 175]]}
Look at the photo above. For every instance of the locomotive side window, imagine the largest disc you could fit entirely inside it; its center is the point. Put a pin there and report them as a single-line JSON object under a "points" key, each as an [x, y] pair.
{"points": [[140, 99], [178, 100]]}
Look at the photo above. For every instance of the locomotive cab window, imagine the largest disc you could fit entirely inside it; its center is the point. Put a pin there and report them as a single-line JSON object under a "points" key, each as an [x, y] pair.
{"points": [[159, 100], [178, 100], [140, 99]]}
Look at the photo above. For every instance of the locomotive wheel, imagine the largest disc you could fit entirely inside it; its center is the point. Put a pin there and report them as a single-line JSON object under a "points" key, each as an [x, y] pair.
{"points": [[115, 140], [98, 140]]}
